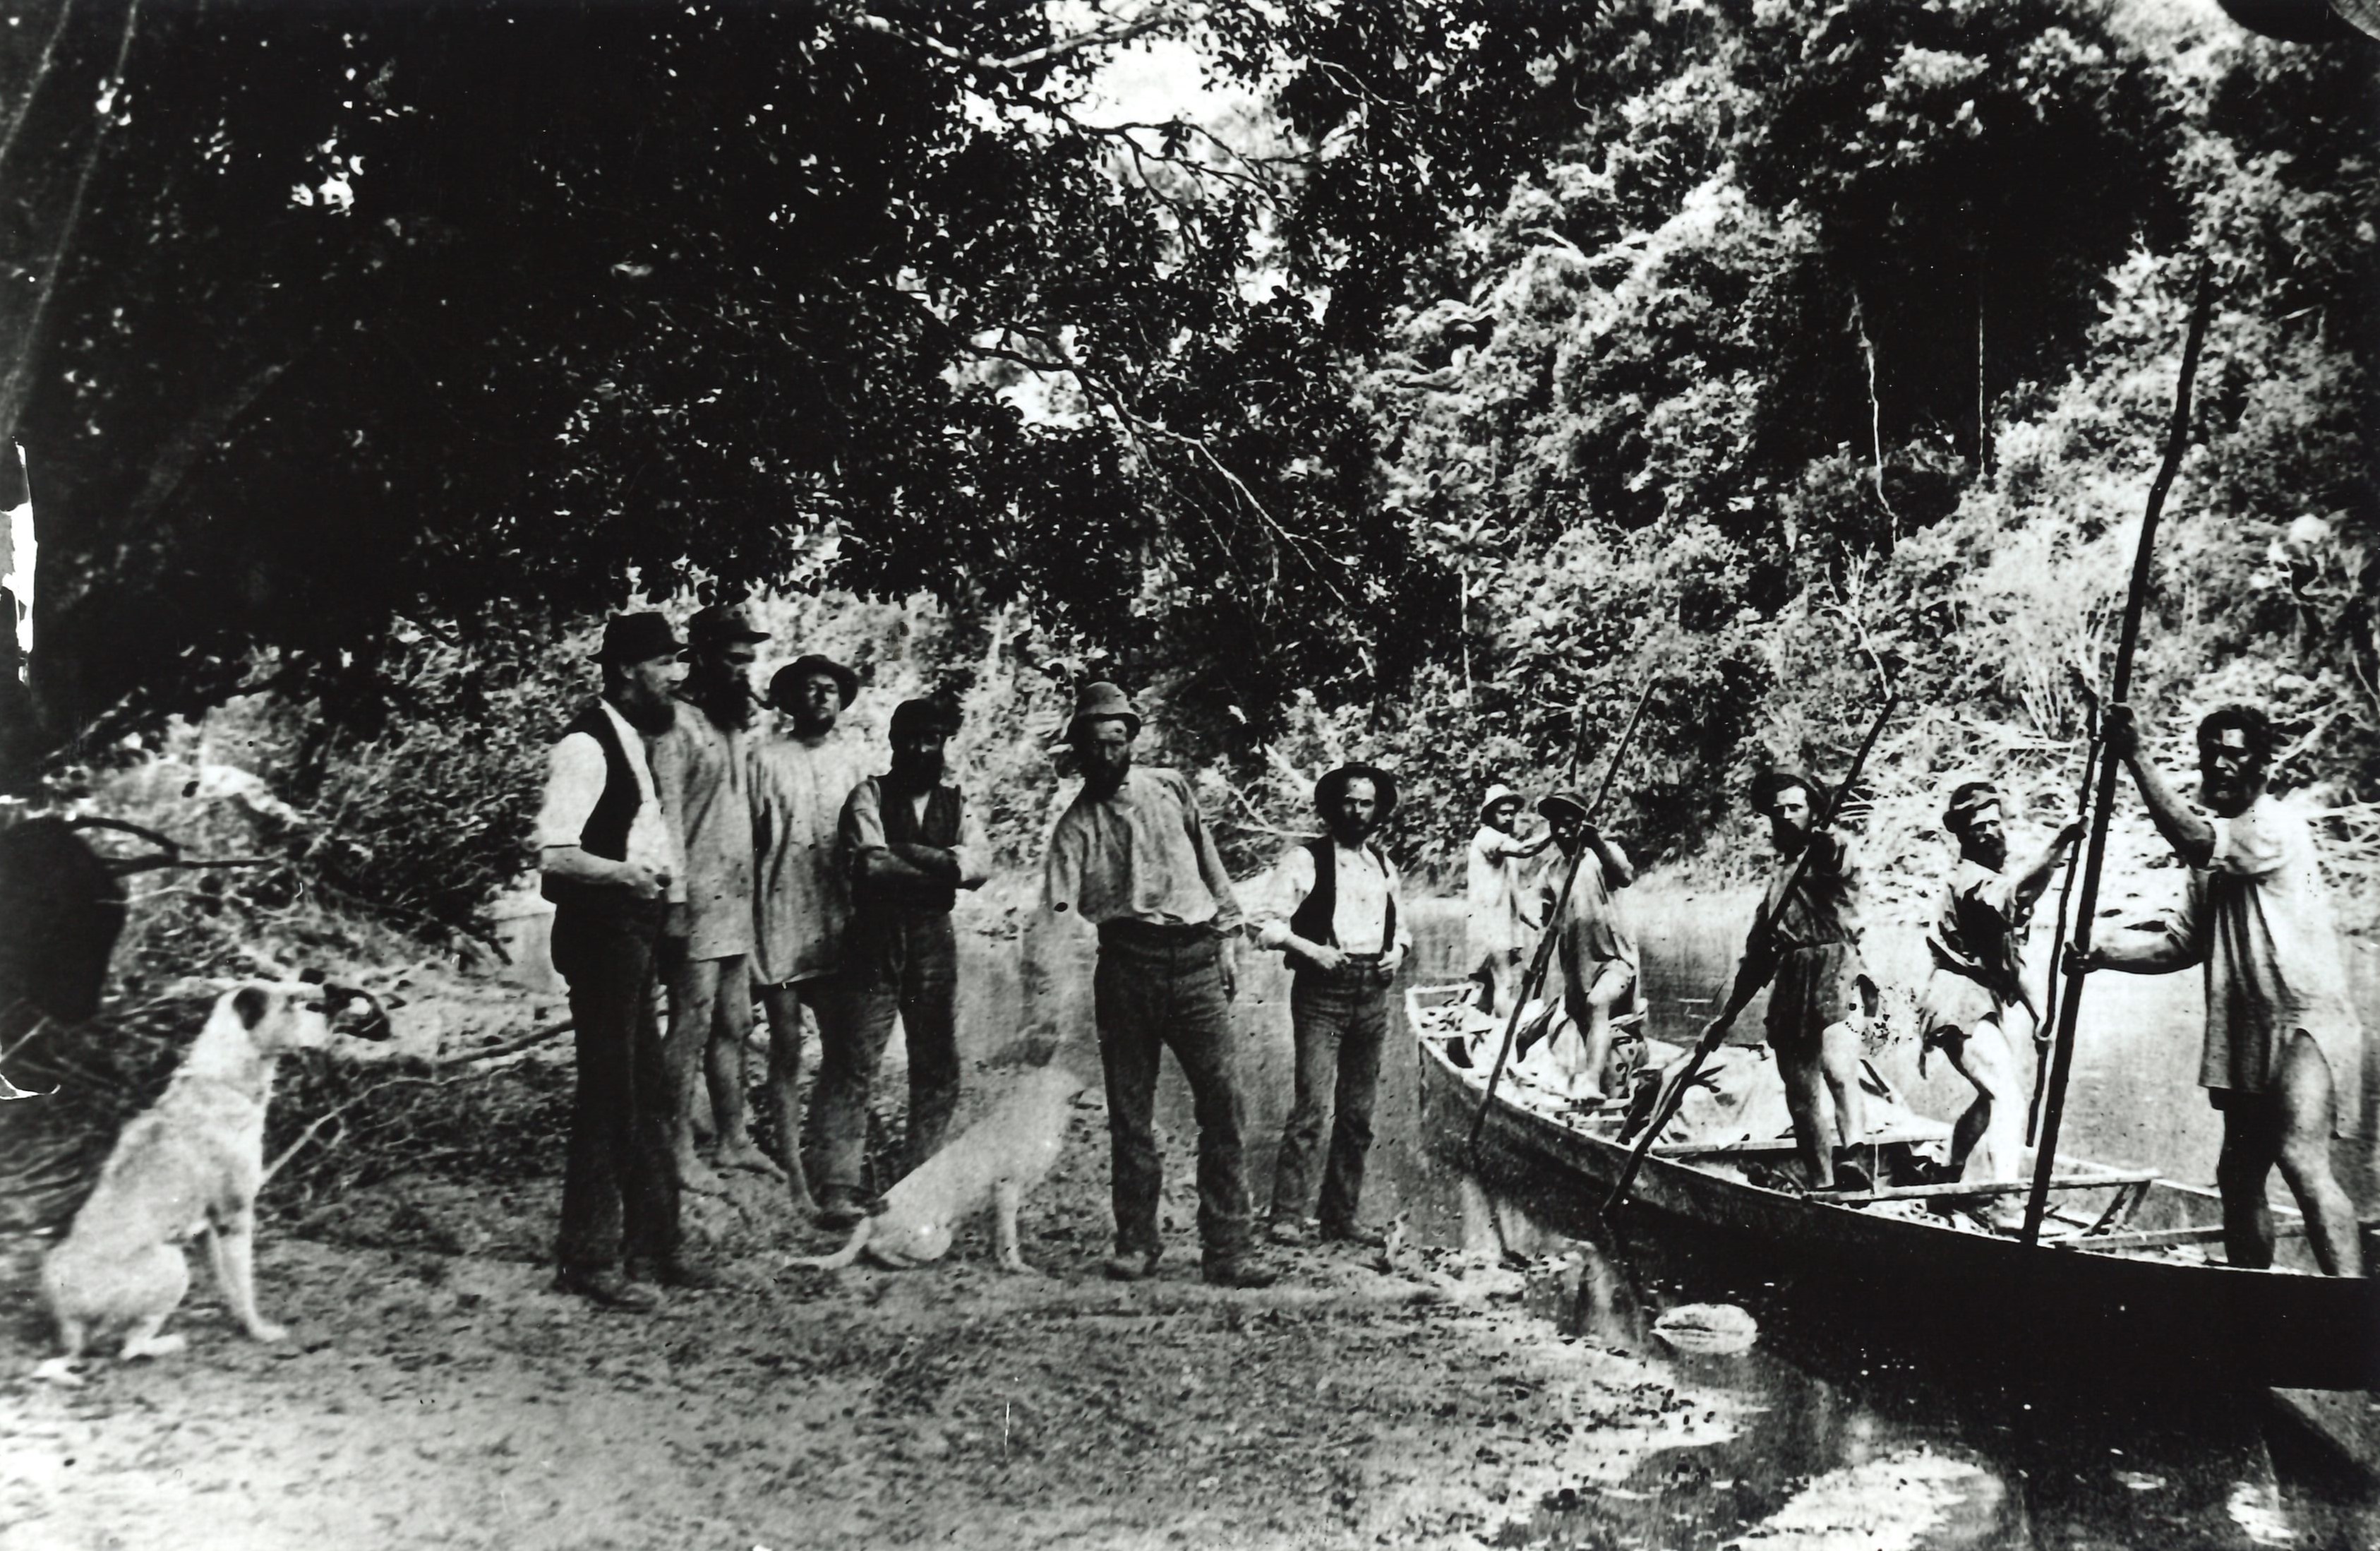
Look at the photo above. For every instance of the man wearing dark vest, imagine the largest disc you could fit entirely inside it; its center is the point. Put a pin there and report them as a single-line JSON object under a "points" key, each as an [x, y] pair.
{"points": [[1330, 905], [610, 865], [911, 843]]}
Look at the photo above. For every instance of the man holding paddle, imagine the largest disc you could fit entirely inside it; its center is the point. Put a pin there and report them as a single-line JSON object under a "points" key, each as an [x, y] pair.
{"points": [[1806, 946], [2282, 1053]]}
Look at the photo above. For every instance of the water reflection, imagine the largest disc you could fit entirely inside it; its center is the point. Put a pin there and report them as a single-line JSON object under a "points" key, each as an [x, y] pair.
{"points": [[1844, 1447]]}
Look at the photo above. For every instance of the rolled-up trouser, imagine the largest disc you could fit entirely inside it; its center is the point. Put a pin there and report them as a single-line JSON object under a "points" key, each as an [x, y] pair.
{"points": [[1340, 1020], [914, 974], [1160, 988], [618, 1194]]}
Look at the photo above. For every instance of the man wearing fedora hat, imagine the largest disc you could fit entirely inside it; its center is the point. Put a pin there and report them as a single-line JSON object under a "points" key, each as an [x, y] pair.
{"points": [[1498, 924], [1131, 855], [1330, 905], [911, 841], [700, 767], [610, 865], [1592, 951], [801, 900]]}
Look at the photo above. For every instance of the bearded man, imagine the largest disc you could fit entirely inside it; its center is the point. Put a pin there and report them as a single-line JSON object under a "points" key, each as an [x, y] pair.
{"points": [[910, 841]]}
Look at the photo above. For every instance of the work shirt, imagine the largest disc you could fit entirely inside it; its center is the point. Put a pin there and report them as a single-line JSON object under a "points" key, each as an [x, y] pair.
{"points": [[1366, 883], [1500, 919], [2258, 917], [1826, 903], [1142, 853], [1975, 940], [574, 778], [801, 900], [701, 772], [863, 829], [1590, 928]]}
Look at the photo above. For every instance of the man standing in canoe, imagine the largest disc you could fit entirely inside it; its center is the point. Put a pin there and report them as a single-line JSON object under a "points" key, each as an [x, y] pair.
{"points": [[1805, 946], [1596, 957], [1976, 942], [2283, 1052], [1131, 855], [1498, 921]]}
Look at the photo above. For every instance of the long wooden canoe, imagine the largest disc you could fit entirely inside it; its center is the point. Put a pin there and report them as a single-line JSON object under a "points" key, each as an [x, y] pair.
{"points": [[2128, 1272]]}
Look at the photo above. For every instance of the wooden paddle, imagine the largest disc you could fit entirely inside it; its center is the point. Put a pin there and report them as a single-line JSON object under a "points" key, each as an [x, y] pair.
{"points": [[2095, 857], [1537, 974], [1762, 920]]}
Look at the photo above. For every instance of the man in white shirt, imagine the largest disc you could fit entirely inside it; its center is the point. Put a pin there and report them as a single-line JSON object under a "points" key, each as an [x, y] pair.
{"points": [[2283, 1052], [609, 866], [1501, 926], [1330, 905], [801, 900], [911, 841]]}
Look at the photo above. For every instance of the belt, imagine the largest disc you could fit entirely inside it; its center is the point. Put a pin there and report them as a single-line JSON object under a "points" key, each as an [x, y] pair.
{"points": [[1129, 932]]}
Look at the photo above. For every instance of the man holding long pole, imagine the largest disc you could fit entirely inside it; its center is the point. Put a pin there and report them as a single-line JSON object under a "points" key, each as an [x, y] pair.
{"points": [[1594, 953], [2282, 1053]]}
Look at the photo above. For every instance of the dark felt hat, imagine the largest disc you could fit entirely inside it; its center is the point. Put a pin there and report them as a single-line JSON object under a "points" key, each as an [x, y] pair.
{"points": [[720, 622], [637, 638], [1384, 785], [787, 680], [1769, 783], [1098, 699], [913, 716], [1564, 798]]}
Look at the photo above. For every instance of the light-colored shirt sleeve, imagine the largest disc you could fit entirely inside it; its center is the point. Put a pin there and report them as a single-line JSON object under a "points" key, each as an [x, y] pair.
{"points": [[1404, 921], [2174, 942], [1211, 871], [1062, 871], [862, 828], [1279, 895], [972, 853], [574, 778]]}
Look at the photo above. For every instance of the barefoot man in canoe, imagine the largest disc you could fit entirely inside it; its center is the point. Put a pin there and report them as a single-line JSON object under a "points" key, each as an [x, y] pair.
{"points": [[2282, 1053]]}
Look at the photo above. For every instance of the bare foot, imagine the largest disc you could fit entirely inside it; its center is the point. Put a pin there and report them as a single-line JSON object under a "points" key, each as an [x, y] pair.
{"points": [[749, 1159]]}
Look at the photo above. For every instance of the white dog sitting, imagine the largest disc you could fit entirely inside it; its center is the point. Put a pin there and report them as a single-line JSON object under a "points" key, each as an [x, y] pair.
{"points": [[995, 1162], [192, 1164]]}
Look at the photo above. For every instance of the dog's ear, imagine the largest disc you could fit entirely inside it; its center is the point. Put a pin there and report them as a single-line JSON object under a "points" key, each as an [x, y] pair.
{"points": [[251, 1002]]}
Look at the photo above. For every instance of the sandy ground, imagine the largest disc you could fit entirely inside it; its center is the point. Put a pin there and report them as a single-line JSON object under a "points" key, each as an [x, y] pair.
{"points": [[435, 1392]]}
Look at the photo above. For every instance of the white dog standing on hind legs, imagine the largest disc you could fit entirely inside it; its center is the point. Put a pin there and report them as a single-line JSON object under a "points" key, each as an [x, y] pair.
{"points": [[192, 1164], [993, 1163]]}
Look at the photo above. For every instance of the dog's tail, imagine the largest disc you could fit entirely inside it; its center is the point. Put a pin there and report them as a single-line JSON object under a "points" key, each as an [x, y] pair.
{"points": [[842, 1257]]}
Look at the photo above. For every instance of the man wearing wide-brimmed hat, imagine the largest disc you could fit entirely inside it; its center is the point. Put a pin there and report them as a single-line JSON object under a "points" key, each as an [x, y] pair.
{"points": [[701, 768], [801, 900], [1131, 855], [1331, 905], [1499, 925], [911, 841], [1806, 948], [1594, 952], [610, 865]]}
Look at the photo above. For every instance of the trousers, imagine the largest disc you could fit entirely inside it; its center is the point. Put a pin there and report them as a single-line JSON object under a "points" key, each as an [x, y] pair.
{"points": [[1160, 988], [915, 977], [618, 1193], [1340, 1022]]}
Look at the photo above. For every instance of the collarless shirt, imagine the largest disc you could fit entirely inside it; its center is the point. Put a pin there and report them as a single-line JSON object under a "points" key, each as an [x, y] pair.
{"points": [[699, 770], [801, 897], [1141, 853]]}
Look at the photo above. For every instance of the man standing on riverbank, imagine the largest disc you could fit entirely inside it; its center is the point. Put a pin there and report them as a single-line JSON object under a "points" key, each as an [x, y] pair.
{"points": [[699, 768], [1597, 958], [801, 901], [1499, 925], [1131, 855], [609, 864], [1805, 946], [1331, 905], [910, 842], [2283, 1053], [1976, 941]]}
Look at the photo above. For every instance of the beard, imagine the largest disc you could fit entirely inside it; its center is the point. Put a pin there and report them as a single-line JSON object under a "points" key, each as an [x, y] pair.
{"points": [[915, 772], [1993, 854], [722, 696], [651, 720]]}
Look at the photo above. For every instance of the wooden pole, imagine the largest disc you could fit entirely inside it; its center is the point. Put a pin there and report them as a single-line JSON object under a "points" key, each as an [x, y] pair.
{"points": [[1537, 974], [2095, 857], [1761, 922], [2065, 900]]}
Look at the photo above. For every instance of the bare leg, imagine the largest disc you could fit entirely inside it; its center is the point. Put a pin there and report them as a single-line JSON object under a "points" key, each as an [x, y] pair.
{"points": [[1987, 1143], [783, 1094], [232, 1245], [1805, 1101], [2251, 1147], [1839, 1052], [2305, 1097], [693, 982], [731, 1028]]}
